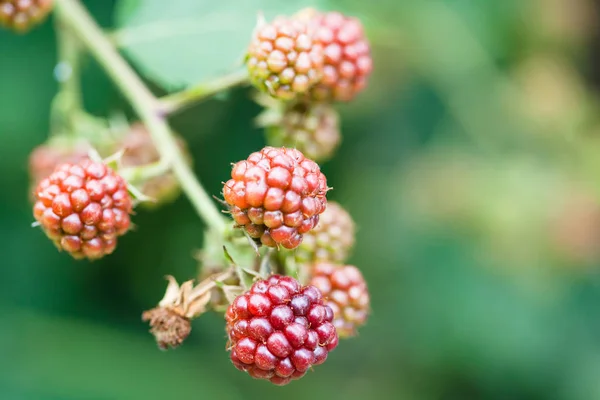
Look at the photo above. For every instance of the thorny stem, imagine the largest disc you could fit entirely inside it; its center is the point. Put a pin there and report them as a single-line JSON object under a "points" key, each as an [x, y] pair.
{"points": [[74, 15], [181, 100]]}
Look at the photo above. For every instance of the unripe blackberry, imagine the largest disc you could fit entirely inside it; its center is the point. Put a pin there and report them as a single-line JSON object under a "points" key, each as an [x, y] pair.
{"points": [[345, 291], [283, 59], [22, 15], [279, 329], [311, 128], [139, 150], [276, 195], [331, 240], [347, 52], [83, 208]]}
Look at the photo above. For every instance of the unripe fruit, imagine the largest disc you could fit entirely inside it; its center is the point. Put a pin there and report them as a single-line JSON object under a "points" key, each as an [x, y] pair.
{"points": [[331, 240], [283, 59], [83, 208], [276, 195], [312, 128], [345, 291], [22, 15], [347, 53], [279, 329]]}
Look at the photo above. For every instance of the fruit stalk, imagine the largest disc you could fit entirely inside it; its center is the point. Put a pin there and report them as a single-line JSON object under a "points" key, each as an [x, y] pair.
{"points": [[147, 106], [178, 101]]}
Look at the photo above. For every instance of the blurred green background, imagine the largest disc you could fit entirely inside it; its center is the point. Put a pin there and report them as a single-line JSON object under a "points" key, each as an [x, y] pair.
{"points": [[469, 165]]}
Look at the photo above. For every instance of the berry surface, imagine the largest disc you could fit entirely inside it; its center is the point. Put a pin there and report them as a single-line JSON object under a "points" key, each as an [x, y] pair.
{"points": [[22, 15], [276, 195], [83, 208], [345, 291], [279, 329], [347, 53], [283, 59]]}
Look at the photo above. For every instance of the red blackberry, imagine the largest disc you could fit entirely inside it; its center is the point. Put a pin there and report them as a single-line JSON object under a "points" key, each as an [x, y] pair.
{"points": [[331, 240], [311, 128], [279, 329], [283, 60], [21, 15], [347, 52], [276, 195], [345, 291], [83, 208]]}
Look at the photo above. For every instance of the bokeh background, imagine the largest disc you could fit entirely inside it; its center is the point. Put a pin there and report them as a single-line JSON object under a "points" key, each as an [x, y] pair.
{"points": [[469, 164]]}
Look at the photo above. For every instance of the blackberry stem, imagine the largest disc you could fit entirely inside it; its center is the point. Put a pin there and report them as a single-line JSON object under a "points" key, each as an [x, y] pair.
{"points": [[67, 104], [144, 172], [178, 101], [146, 105]]}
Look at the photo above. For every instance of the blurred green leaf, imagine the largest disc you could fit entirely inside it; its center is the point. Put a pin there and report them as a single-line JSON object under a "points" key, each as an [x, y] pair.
{"points": [[188, 41]]}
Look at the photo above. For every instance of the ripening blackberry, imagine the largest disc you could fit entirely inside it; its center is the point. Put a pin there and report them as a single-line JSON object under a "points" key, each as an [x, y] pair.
{"points": [[279, 329], [347, 54], [345, 291], [312, 128], [83, 208], [276, 196], [283, 60]]}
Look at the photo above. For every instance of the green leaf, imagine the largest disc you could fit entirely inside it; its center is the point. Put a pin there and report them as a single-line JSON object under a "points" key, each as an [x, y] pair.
{"points": [[184, 42]]}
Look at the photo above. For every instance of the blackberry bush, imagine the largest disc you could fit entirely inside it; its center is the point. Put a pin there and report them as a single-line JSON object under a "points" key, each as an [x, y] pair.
{"points": [[277, 328]]}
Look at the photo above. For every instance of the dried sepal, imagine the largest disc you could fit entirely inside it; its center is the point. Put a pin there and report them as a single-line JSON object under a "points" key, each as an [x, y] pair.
{"points": [[170, 320]]}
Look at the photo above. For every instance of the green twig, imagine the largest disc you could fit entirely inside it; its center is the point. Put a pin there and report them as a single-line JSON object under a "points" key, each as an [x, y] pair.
{"points": [[181, 100], [76, 18], [68, 102], [144, 172]]}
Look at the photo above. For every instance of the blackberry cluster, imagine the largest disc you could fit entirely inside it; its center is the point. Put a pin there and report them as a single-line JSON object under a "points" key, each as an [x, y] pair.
{"points": [[279, 329], [278, 64]]}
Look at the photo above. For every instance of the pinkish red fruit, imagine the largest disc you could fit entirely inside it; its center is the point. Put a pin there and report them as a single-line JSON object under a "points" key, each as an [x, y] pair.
{"points": [[83, 208], [279, 329], [276, 195]]}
